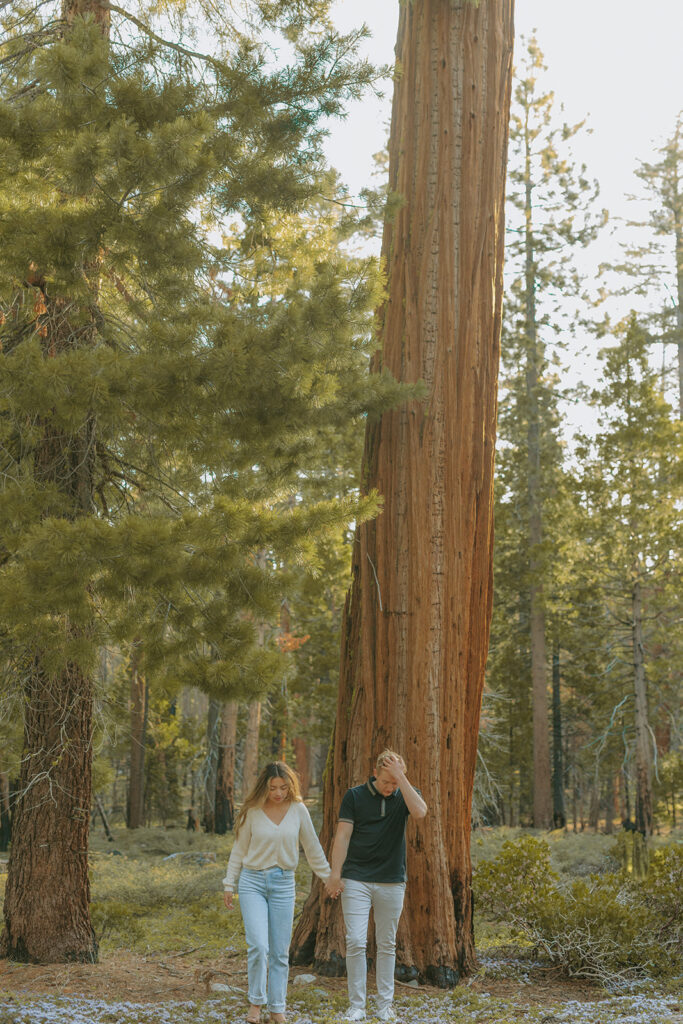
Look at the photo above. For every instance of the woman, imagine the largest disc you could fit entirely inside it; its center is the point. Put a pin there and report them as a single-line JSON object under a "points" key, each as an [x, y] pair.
{"points": [[272, 823]]}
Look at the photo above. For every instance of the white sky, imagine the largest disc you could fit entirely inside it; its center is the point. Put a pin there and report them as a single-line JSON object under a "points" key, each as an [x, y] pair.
{"points": [[618, 62]]}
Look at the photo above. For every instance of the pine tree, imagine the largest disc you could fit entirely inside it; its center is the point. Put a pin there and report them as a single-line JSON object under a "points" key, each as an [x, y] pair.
{"points": [[632, 486], [657, 264], [551, 206], [134, 403]]}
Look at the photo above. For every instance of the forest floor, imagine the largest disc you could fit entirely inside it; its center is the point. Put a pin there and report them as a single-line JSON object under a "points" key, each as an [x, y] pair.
{"points": [[171, 954]]}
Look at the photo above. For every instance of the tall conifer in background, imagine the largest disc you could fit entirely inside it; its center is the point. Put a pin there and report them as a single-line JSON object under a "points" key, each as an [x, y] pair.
{"points": [[551, 206], [135, 405], [632, 488], [657, 264]]}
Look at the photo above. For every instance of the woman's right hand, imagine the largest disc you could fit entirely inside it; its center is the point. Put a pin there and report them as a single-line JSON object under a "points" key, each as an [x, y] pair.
{"points": [[227, 898]]}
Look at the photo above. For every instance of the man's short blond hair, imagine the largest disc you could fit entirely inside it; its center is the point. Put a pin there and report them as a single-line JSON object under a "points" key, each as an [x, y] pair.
{"points": [[381, 761]]}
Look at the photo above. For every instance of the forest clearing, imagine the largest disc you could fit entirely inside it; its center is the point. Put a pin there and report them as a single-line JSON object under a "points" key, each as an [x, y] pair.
{"points": [[341, 647], [146, 906]]}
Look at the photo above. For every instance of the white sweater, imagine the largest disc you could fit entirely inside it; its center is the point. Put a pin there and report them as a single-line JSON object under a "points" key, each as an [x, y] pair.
{"points": [[263, 844]]}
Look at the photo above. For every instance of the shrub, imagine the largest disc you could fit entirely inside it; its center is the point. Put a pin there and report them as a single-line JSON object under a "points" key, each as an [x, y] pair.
{"points": [[610, 927]]}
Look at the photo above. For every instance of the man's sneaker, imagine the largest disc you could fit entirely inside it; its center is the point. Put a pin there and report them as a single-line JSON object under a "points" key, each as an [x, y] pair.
{"points": [[388, 1013], [354, 1015]]}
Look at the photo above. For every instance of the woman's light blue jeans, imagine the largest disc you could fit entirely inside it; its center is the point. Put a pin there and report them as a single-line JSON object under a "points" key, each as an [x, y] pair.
{"points": [[267, 905]]}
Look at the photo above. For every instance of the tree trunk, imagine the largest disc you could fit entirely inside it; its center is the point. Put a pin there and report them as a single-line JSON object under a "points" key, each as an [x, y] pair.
{"points": [[416, 621], [559, 813], [251, 743], [46, 910], [302, 763], [139, 697], [5, 813], [225, 772], [643, 770], [210, 772]]}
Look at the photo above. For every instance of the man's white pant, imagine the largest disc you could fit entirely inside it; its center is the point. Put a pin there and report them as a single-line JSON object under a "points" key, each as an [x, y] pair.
{"points": [[386, 899]]}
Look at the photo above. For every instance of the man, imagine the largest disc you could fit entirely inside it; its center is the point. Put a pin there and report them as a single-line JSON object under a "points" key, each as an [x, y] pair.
{"points": [[368, 864]]}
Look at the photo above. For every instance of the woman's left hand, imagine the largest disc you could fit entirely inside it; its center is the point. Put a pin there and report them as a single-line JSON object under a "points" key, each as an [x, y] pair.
{"points": [[227, 898]]}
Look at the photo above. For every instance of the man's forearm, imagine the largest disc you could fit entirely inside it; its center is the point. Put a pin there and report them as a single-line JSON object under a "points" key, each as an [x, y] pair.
{"points": [[340, 848], [414, 802]]}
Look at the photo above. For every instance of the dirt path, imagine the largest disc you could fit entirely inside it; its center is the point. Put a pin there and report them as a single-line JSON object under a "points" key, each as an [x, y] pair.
{"points": [[183, 976]]}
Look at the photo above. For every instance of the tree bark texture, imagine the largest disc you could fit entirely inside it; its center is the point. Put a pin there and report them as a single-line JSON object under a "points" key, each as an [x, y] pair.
{"points": [[302, 763], [46, 911], [225, 773], [5, 812], [251, 743], [416, 622], [643, 739]]}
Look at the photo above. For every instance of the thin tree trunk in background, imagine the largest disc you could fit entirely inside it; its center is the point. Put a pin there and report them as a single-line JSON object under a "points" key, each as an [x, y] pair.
{"points": [[5, 814], [416, 621], [225, 772], [105, 824], [543, 804], [643, 819], [139, 696], [251, 745], [559, 813], [302, 764], [210, 771], [609, 805], [594, 804]]}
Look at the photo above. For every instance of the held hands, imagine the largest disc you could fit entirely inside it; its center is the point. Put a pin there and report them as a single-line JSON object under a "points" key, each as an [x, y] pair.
{"points": [[227, 898], [334, 887]]}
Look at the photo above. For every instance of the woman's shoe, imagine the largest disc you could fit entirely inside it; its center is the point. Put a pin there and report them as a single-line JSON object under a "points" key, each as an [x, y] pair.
{"points": [[277, 1018], [254, 1015]]}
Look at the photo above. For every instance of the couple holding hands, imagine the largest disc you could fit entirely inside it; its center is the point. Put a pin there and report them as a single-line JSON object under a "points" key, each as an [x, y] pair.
{"points": [[367, 869]]}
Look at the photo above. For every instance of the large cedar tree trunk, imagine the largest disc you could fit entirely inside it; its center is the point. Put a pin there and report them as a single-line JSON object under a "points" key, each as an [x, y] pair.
{"points": [[416, 621]]}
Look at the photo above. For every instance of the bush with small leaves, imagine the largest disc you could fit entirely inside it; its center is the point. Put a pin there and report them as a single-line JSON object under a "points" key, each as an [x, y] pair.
{"points": [[610, 927]]}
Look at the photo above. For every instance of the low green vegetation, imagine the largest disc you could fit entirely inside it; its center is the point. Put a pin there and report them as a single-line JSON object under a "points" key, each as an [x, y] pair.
{"points": [[611, 926]]}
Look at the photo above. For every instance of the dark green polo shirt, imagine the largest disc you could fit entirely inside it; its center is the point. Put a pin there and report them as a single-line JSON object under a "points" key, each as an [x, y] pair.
{"points": [[377, 849]]}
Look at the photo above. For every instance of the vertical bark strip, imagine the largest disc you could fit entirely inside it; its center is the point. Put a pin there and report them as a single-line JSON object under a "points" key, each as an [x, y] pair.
{"points": [[416, 622], [46, 911], [251, 742]]}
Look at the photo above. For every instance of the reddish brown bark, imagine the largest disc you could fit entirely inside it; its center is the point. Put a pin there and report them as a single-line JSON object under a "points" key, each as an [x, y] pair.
{"points": [[416, 622], [302, 764], [251, 744]]}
